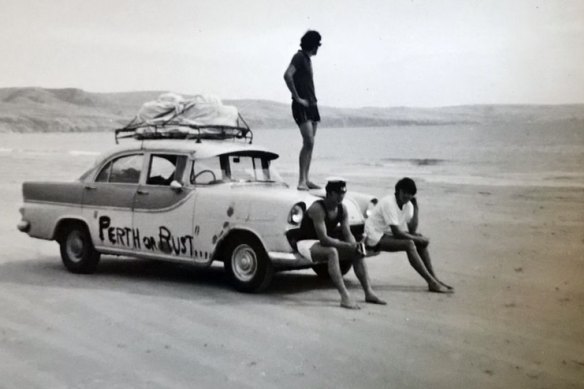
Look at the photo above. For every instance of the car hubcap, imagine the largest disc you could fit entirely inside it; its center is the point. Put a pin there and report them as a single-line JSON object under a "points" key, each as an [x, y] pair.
{"points": [[75, 246], [244, 262]]}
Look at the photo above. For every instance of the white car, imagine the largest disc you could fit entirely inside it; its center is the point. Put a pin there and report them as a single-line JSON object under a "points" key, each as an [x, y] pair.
{"points": [[211, 196]]}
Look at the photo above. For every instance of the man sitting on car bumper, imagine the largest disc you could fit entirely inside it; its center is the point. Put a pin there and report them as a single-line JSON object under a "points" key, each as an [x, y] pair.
{"points": [[316, 243]]}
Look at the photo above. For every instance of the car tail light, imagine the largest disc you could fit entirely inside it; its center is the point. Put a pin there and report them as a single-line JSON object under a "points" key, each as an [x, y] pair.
{"points": [[296, 214]]}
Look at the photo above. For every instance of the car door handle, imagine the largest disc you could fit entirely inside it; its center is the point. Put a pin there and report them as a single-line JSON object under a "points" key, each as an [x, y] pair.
{"points": [[90, 187], [143, 192]]}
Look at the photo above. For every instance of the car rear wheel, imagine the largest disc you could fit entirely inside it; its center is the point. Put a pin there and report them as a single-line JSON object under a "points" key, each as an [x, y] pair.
{"points": [[321, 269], [77, 250], [248, 265]]}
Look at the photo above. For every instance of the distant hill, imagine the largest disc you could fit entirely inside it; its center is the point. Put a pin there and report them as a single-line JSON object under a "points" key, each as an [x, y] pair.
{"points": [[52, 110]]}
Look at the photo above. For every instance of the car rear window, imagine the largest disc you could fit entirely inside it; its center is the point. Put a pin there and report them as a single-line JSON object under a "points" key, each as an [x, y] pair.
{"points": [[125, 169]]}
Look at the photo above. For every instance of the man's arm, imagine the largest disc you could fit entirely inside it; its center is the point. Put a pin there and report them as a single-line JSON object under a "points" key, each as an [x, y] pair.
{"points": [[289, 78], [413, 224], [346, 230], [400, 234], [317, 215]]}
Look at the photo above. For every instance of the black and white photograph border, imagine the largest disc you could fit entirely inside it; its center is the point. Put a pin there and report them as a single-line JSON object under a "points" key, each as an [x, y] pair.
{"points": [[479, 102]]}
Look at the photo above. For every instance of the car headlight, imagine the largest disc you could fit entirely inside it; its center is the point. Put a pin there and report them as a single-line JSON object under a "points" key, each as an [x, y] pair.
{"points": [[370, 207], [296, 214]]}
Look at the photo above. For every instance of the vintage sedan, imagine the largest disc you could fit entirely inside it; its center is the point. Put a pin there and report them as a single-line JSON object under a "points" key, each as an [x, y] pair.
{"points": [[197, 199]]}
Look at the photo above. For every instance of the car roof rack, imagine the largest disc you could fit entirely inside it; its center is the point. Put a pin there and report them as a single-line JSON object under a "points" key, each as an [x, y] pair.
{"points": [[174, 129]]}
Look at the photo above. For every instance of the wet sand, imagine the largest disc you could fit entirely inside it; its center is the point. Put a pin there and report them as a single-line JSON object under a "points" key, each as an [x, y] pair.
{"points": [[514, 254]]}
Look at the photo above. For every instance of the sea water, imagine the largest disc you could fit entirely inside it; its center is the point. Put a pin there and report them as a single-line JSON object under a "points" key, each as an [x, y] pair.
{"points": [[527, 154], [524, 155]]}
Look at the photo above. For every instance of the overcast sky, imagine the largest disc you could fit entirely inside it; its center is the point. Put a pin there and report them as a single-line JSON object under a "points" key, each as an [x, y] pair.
{"points": [[374, 53]]}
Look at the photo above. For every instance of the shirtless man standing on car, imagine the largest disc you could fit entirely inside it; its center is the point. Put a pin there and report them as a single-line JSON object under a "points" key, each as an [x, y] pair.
{"points": [[299, 79]]}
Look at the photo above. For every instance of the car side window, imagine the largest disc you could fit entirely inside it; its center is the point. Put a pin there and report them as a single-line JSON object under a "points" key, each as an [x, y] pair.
{"points": [[207, 171], [122, 170], [104, 174], [247, 168], [165, 168]]}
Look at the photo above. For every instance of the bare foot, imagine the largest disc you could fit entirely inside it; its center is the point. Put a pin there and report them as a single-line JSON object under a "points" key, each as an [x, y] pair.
{"points": [[349, 304], [302, 187], [312, 185], [438, 288], [446, 285], [373, 299]]}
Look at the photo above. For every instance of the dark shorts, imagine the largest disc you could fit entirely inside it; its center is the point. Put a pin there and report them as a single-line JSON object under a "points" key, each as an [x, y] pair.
{"points": [[304, 114]]}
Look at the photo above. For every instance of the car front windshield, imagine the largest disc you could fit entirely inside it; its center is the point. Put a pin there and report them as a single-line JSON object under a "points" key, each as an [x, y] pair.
{"points": [[233, 168]]}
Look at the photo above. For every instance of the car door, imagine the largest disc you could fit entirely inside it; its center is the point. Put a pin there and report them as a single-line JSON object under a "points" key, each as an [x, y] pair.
{"points": [[108, 201], [214, 209], [163, 213]]}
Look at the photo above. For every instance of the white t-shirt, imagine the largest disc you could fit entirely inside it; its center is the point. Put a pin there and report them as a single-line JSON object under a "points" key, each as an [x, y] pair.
{"points": [[385, 214]]}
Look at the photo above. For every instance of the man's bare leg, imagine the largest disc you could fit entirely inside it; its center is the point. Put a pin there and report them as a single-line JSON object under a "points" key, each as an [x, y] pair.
{"points": [[360, 269], [424, 254], [310, 184], [391, 244], [317, 251], [305, 157]]}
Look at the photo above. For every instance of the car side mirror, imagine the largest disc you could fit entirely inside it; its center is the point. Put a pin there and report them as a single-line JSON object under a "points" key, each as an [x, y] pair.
{"points": [[176, 186]]}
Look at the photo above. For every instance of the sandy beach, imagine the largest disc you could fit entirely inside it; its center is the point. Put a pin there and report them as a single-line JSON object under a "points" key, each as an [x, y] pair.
{"points": [[480, 102], [513, 253]]}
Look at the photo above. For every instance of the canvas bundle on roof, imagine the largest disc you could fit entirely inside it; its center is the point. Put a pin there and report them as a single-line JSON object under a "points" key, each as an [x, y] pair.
{"points": [[198, 117]]}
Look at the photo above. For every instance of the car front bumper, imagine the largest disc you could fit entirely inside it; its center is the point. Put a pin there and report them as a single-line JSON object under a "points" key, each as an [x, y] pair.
{"points": [[282, 260]]}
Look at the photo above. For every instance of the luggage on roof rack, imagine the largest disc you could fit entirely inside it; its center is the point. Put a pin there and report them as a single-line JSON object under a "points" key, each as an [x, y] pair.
{"points": [[184, 131], [174, 117]]}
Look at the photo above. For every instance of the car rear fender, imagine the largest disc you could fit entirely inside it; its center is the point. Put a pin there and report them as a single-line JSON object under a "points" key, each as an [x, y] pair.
{"points": [[45, 203], [43, 218], [64, 223], [70, 193]]}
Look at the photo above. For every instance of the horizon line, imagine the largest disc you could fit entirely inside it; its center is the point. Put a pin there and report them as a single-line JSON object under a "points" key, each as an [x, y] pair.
{"points": [[286, 103]]}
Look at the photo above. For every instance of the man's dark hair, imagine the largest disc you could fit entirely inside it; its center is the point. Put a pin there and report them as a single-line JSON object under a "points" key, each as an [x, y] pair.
{"points": [[338, 186], [310, 40], [407, 185]]}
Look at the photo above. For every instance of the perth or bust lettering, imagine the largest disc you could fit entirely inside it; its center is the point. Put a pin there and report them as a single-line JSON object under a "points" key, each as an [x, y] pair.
{"points": [[131, 238]]}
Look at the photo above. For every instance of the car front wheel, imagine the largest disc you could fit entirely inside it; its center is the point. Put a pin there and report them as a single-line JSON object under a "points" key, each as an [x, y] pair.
{"points": [[248, 265], [77, 250]]}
